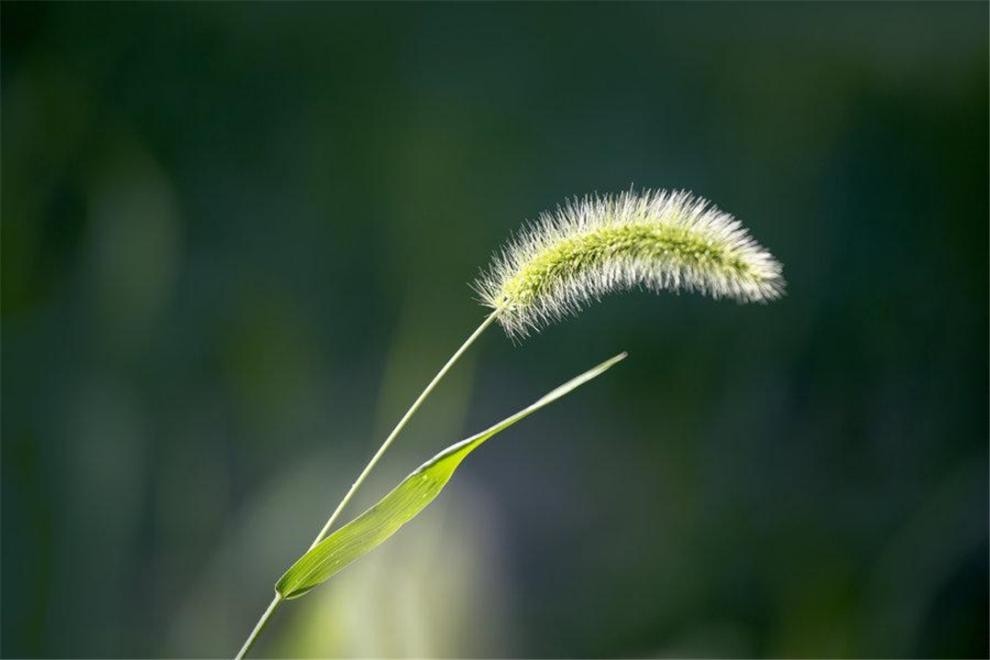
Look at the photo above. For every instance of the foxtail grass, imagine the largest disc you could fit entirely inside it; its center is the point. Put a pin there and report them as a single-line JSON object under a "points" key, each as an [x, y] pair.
{"points": [[554, 267]]}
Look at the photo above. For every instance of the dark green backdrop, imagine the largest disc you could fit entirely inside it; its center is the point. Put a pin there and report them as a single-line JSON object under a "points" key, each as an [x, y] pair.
{"points": [[237, 238]]}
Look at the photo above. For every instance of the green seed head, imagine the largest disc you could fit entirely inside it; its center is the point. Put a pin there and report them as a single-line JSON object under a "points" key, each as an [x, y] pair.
{"points": [[656, 240]]}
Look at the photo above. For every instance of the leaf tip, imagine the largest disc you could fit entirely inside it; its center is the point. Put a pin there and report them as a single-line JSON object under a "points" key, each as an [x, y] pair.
{"points": [[612, 361]]}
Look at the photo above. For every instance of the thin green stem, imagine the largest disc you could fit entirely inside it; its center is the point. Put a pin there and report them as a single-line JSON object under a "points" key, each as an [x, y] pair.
{"points": [[401, 425], [258, 627], [371, 464]]}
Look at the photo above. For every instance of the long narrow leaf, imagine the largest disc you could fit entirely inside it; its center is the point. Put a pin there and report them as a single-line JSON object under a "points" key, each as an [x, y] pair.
{"points": [[402, 504]]}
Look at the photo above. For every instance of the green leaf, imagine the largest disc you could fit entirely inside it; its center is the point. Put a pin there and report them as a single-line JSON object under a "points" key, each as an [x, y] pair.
{"points": [[375, 525]]}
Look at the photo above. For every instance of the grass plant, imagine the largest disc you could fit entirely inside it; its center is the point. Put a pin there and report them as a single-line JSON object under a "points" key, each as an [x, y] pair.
{"points": [[568, 258]]}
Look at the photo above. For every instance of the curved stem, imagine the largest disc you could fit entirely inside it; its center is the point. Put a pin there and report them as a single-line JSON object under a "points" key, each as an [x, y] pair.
{"points": [[371, 464]]}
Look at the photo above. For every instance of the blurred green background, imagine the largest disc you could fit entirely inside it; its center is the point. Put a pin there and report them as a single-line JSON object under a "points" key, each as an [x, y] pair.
{"points": [[237, 239]]}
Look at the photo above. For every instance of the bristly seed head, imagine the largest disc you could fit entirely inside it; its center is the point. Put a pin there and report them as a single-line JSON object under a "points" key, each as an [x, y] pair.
{"points": [[656, 240]]}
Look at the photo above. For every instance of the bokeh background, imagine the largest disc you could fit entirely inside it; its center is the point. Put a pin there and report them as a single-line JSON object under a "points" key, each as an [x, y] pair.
{"points": [[237, 239]]}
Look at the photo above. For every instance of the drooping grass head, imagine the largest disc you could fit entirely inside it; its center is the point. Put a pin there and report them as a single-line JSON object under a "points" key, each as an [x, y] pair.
{"points": [[656, 240]]}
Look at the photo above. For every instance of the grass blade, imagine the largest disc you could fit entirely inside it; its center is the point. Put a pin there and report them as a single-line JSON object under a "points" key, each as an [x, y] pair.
{"points": [[402, 504]]}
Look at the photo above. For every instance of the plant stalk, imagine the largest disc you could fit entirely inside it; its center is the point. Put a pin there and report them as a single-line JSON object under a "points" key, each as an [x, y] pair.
{"points": [[371, 464], [401, 425], [258, 627]]}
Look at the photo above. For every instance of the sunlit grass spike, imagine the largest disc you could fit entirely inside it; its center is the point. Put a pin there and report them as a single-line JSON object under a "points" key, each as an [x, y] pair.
{"points": [[657, 240]]}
